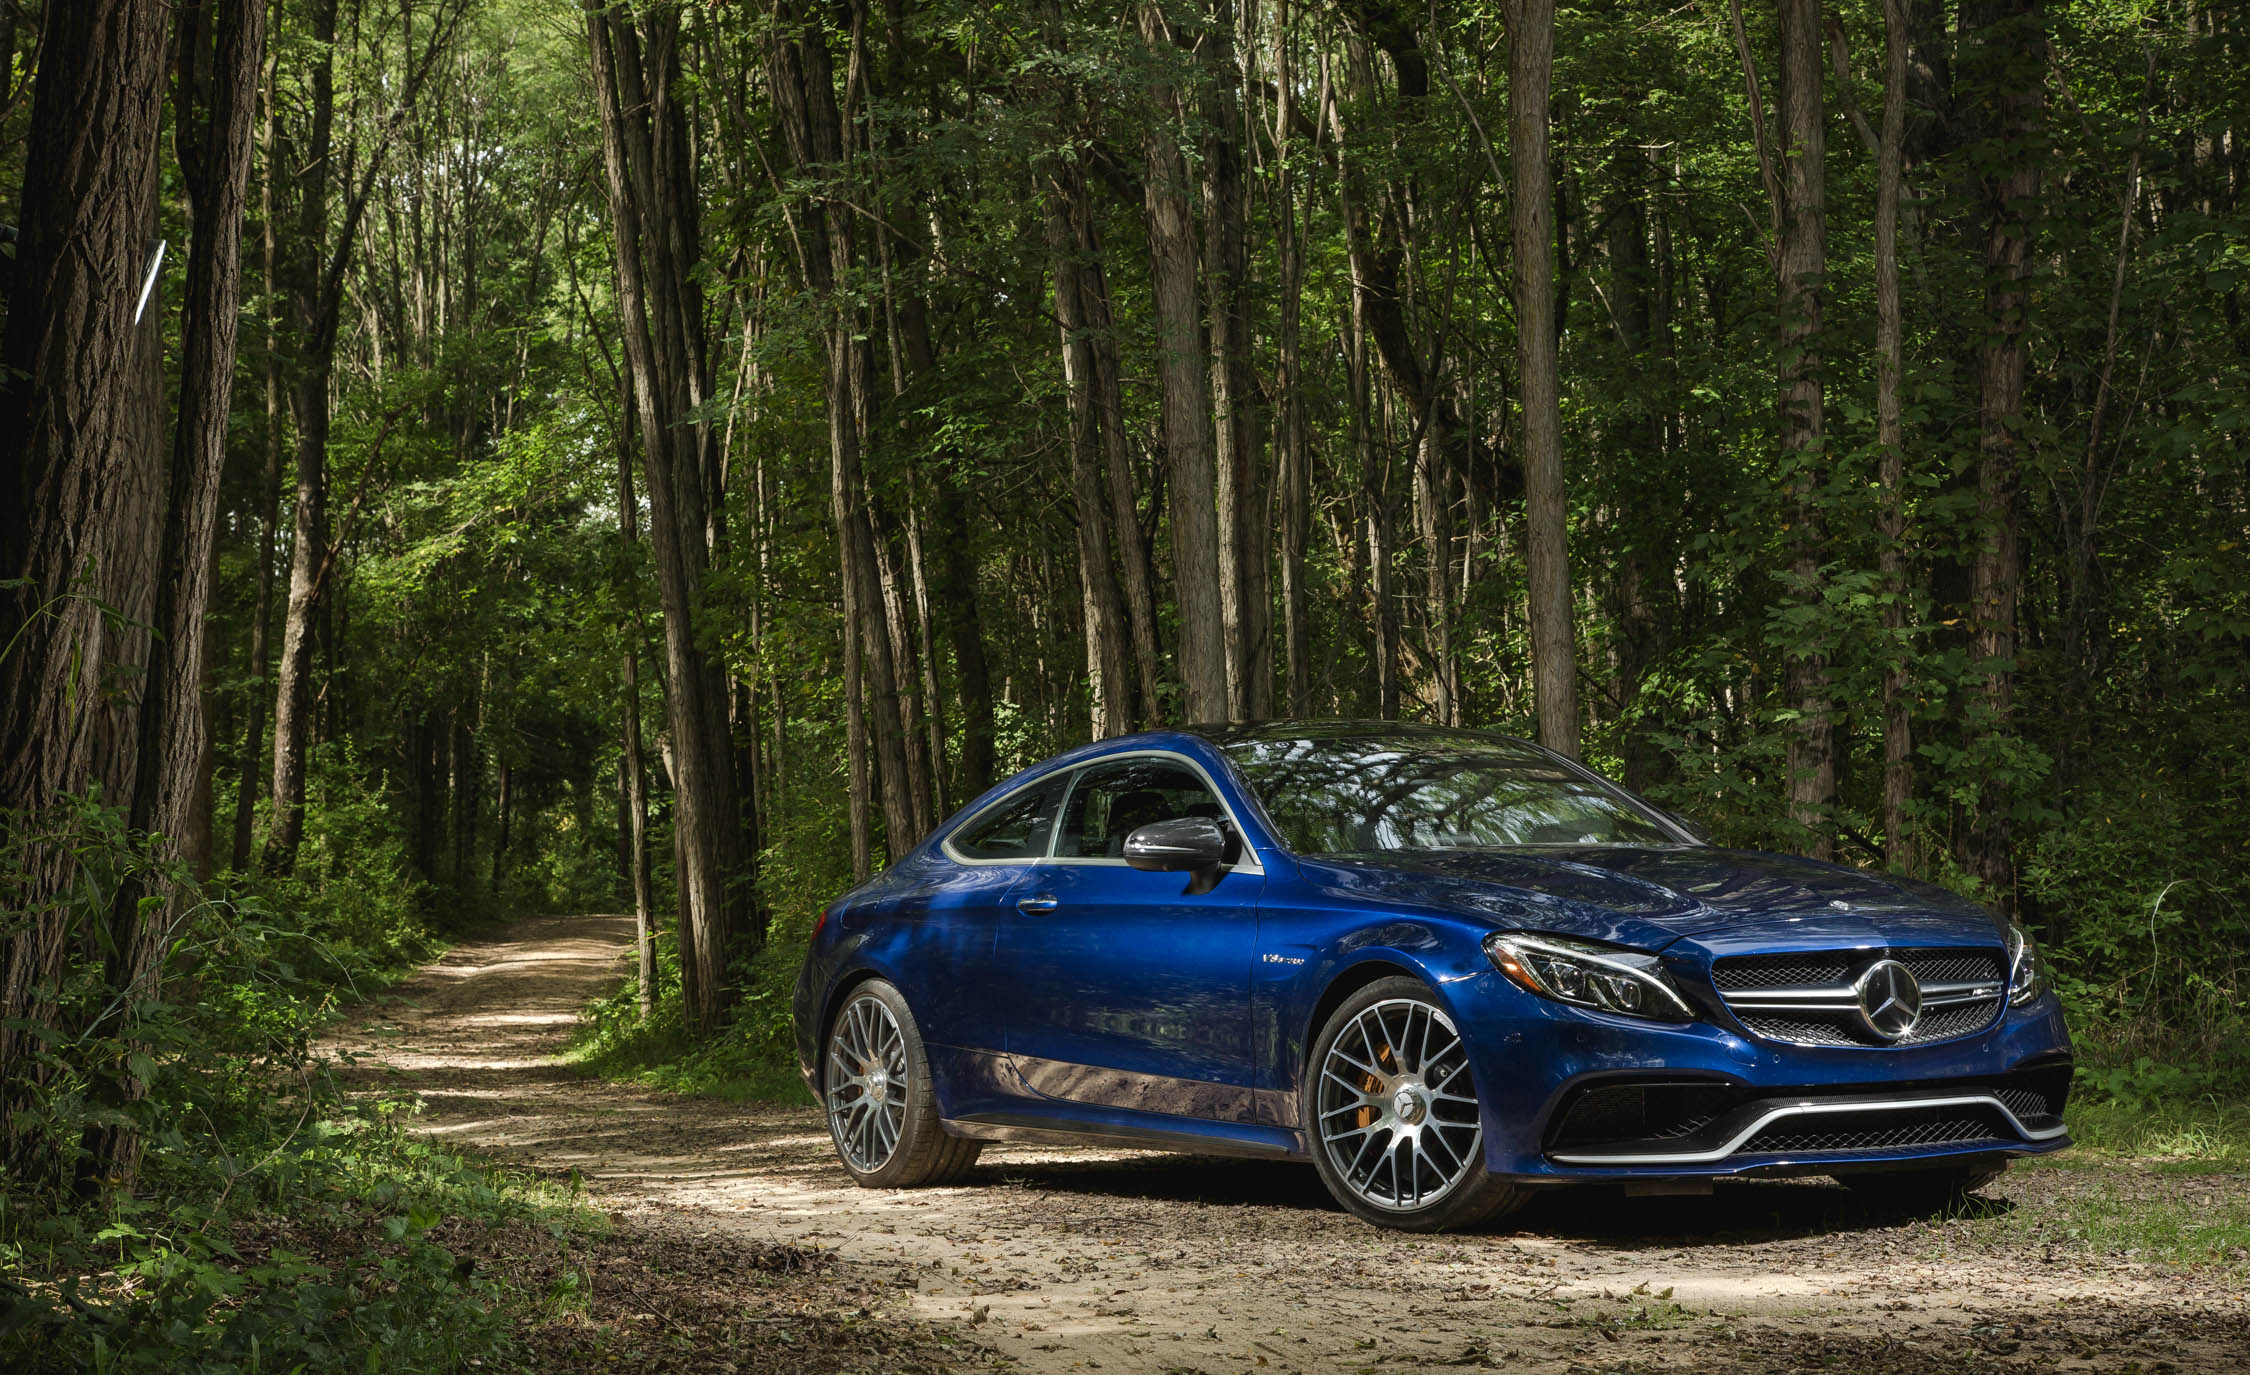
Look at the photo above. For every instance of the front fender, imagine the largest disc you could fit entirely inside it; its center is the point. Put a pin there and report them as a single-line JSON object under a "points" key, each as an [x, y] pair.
{"points": [[1298, 985]]}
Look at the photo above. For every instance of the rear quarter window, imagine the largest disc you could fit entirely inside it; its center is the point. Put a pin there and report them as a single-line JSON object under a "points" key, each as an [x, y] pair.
{"points": [[1015, 827]]}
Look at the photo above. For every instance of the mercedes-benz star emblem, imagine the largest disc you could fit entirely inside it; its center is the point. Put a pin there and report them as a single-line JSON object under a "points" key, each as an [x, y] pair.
{"points": [[1890, 999]]}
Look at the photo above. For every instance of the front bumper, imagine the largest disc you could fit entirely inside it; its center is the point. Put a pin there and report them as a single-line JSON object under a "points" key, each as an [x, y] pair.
{"points": [[1576, 1095]]}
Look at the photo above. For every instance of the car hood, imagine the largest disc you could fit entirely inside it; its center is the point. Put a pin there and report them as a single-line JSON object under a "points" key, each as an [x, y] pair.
{"points": [[1651, 896]]}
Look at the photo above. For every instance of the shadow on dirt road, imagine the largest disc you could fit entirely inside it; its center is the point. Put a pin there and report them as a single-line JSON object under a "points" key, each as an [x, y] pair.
{"points": [[1072, 1260]]}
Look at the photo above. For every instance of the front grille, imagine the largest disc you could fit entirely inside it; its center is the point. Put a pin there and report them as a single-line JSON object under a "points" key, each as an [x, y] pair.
{"points": [[1640, 1110], [1665, 1117], [1809, 998], [1780, 1139], [2026, 1102], [1767, 971]]}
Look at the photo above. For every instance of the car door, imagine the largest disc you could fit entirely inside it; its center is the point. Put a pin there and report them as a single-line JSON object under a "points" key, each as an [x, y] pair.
{"points": [[1125, 988], [955, 989]]}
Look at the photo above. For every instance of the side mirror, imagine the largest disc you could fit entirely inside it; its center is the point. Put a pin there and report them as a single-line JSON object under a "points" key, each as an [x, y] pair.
{"points": [[1192, 844]]}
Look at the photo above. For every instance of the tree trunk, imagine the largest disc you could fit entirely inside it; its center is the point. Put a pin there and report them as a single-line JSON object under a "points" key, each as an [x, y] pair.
{"points": [[216, 170], [1243, 535], [468, 789], [1890, 438], [261, 614], [1182, 365], [73, 400], [316, 291], [503, 802], [1295, 438], [1554, 653], [1108, 660], [652, 195], [1800, 258], [308, 404], [2009, 47], [1433, 520], [1137, 574], [888, 542], [925, 636], [71, 390], [965, 633], [803, 81], [1382, 614], [426, 741], [632, 760]]}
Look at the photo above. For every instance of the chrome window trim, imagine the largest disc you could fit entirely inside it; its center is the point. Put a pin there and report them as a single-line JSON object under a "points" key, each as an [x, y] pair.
{"points": [[1001, 801], [1815, 1109], [1251, 863]]}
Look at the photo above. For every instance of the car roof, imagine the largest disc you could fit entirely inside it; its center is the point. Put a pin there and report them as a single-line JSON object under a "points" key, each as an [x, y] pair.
{"points": [[1402, 732]]}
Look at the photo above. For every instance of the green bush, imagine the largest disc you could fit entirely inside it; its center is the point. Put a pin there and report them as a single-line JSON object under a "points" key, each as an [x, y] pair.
{"points": [[185, 1276], [806, 865], [271, 1224], [2139, 892]]}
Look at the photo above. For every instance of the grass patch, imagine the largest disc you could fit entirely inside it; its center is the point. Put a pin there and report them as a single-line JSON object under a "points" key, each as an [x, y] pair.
{"points": [[664, 1058], [2125, 1212], [345, 1245], [2154, 1180], [2205, 1135], [753, 1060], [2122, 1215], [747, 1063]]}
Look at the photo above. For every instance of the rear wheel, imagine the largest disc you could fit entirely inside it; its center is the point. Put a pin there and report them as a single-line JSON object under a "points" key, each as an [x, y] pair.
{"points": [[1918, 1192], [1391, 1114], [882, 1113]]}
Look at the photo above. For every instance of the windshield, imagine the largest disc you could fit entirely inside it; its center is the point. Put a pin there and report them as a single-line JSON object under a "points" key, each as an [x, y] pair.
{"points": [[1432, 792]]}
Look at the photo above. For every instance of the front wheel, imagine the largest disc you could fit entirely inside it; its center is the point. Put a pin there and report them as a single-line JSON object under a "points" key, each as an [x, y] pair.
{"points": [[1391, 1114], [882, 1112]]}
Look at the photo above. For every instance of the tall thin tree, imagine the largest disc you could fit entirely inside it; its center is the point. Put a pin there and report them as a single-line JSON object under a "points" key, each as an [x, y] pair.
{"points": [[1181, 363], [1890, 439], [1554, 652], [649, 181]]}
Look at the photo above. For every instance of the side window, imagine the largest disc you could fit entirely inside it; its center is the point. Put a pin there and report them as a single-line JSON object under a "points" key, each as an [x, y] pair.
{"points": [[1015, 827], [1112, 800]]}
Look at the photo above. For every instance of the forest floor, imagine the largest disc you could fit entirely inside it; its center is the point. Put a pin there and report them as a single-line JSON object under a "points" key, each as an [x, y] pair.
{"points": [[1053, 1260]]}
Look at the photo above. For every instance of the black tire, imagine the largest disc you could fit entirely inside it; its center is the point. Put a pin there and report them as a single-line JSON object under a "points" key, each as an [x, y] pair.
{"points": [[882, 1112], [1919, 1193], [1362, 1110]]}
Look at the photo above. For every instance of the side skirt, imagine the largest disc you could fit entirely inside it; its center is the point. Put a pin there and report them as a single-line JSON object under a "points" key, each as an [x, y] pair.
{"points": [[1256, 1143]]}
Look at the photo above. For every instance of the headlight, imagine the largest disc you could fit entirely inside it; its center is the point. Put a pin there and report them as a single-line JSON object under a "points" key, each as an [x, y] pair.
{"points": [[1588, 975], [2027, 969]]}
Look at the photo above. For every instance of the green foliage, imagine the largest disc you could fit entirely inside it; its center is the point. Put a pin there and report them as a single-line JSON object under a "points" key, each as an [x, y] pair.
{"points": [[751, 1060], [272, 1223], [755, 1057], [2143, 891], [352, 891], [202, 1273]]}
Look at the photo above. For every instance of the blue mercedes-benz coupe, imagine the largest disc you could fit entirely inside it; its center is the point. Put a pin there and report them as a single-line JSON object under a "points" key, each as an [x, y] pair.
{"points": [[1449, 968]]}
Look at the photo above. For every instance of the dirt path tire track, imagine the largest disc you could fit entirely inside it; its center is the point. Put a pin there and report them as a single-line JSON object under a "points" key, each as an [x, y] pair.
{"points": [[1070, 1260]]}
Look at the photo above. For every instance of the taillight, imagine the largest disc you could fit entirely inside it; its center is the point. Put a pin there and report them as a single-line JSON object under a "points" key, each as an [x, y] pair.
{"points": [[818, 923]]}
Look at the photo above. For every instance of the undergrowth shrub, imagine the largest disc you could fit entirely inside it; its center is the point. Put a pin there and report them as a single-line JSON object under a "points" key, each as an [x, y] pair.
{"points": [[353, 887], [2142, 893], [806, 865], [271, 1223]]}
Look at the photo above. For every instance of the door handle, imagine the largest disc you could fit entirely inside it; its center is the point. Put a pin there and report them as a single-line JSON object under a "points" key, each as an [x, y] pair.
{"points": [[1035, 905]]}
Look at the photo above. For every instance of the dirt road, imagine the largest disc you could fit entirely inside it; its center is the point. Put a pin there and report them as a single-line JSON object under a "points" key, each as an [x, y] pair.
{"points": [[1074, 1260]]}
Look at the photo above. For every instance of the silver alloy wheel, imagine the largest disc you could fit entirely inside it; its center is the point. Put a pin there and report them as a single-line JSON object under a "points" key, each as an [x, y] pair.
{"points": [[1397, 1116], [867, 1084]]}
